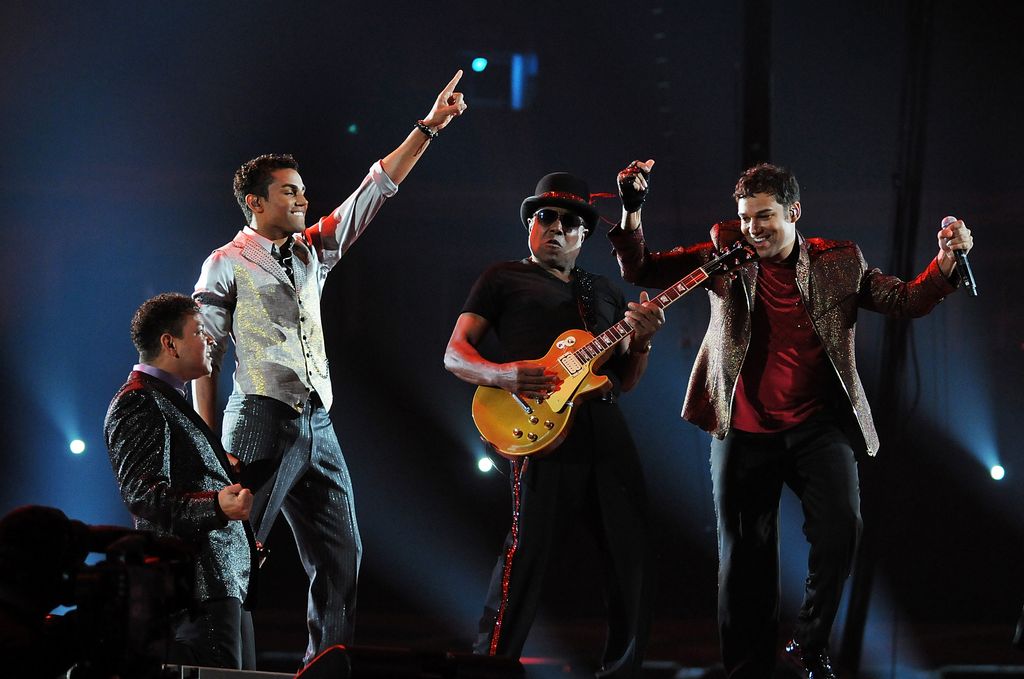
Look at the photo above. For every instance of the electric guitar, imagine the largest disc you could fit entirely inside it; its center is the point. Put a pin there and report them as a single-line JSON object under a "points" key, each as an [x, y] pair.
{"points": [[516, 426]]}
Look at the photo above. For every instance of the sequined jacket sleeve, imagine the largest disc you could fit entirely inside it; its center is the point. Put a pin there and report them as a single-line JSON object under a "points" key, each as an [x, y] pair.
{"points": [[640, 266], [139, 440], [895, 297]]}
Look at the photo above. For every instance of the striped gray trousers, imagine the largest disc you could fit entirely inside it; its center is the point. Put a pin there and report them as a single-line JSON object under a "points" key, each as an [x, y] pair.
{"points": [[294, 465]]}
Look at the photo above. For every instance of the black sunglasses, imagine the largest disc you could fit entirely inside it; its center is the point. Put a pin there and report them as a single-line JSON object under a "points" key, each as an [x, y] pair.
{"points": [[570, 222]]}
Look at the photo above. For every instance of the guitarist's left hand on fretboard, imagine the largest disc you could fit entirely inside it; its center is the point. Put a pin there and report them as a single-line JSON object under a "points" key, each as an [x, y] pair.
{"points": [[646, 318]]}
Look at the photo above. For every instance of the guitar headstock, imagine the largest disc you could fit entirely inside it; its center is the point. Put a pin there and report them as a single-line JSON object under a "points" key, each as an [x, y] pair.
{"points": [[733, 257]]}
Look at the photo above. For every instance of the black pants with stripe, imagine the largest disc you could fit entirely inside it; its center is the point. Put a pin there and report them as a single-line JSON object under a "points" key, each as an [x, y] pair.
{"points": [[593, 481]]}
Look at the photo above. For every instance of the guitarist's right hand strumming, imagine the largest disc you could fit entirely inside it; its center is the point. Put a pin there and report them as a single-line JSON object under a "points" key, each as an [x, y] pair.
{"points": [[529, 379]]}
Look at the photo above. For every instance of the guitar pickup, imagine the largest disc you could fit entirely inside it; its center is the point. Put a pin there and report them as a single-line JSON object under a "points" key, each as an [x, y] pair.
{"points": [[570, 363]]}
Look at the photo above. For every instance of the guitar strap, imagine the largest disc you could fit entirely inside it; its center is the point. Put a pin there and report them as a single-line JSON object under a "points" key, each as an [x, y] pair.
{"points": [[583, 290]]}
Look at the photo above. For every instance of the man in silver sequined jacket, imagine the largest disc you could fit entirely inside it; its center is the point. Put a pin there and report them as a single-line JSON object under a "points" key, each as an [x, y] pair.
{"points": [[176, 480], [775, 381]]}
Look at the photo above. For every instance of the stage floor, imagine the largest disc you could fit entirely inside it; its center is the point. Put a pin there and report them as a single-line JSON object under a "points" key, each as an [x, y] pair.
{"points": [[677, 649]]}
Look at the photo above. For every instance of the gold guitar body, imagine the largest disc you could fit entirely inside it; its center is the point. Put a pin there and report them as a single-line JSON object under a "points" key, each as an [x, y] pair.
{"points": [[517, 426]]}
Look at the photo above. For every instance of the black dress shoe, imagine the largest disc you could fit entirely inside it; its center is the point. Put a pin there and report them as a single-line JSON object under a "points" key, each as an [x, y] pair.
{"points": [[816, 664]]}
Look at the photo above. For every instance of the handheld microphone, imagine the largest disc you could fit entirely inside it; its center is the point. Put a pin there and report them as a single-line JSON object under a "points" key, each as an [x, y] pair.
{"points": [[966, 275]]}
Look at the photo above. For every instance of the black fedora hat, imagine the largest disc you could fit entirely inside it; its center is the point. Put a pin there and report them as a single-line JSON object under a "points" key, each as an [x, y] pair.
{"points": [[561, 189]]}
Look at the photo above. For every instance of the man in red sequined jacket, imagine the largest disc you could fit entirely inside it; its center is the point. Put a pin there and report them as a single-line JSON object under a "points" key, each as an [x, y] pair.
{"points": [[775, 382]]}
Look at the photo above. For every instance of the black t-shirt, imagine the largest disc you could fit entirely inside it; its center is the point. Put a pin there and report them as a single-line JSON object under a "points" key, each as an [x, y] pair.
{"points": [[528, 308]]}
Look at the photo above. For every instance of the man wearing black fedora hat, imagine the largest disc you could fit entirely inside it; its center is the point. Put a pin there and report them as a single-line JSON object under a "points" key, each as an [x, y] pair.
{"points": [[593, 477]]}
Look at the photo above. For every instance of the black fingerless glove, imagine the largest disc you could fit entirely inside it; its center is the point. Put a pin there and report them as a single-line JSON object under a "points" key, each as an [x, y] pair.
{"points": [[632, 198]]}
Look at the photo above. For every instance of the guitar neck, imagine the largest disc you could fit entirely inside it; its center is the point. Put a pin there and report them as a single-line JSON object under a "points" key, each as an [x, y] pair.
{"points": [[621, 330]]}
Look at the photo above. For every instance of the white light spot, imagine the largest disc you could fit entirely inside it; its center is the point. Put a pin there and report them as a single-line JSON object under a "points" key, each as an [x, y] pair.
{"points": [[484, 464], [997, 472], [77, 446]]}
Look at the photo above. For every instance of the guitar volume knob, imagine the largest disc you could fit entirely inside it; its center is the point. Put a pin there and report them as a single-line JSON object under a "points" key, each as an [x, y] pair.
{"points": [[549, 424], [531, 436], [534, 419], [517, 432]]}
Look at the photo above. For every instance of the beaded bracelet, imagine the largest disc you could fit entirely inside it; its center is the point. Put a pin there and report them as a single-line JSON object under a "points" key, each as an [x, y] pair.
{"points": [[429, 131]]}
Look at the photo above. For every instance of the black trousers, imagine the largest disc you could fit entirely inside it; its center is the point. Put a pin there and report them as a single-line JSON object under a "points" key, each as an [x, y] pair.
{"points": [[816, 461], [294, 466], [593, 481], [217, 633]]}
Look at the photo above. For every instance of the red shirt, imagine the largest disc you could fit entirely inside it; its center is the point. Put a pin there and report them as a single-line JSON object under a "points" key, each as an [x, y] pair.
{"points": [[784, 373]]}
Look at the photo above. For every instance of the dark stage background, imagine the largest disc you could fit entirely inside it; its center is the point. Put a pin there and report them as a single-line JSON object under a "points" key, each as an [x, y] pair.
{"points": [[122, 124]]}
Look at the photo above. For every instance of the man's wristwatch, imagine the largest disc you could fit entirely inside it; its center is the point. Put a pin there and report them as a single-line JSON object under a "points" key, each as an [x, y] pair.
{"points": [[645, 349]]}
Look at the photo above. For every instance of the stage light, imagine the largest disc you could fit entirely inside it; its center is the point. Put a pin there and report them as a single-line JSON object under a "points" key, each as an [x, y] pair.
{"points": [[479, 64], [77, 446], [484, 464], [522, 70], [352, 128], [997, 472]]}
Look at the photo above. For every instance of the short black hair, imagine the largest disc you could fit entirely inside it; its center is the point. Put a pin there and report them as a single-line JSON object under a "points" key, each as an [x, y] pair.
{"points": [[776, 181], [164, 313], [255, 177]]}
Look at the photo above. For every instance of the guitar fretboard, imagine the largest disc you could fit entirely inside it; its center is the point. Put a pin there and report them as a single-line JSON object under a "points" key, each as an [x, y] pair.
{"points": [[616, 333]]}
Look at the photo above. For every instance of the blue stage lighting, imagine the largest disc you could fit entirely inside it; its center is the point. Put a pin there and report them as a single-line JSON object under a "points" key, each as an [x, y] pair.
{"points": [[479, 64], [77, 446], [352, 129], [522, 69], [484, 464], [997, 472]]}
